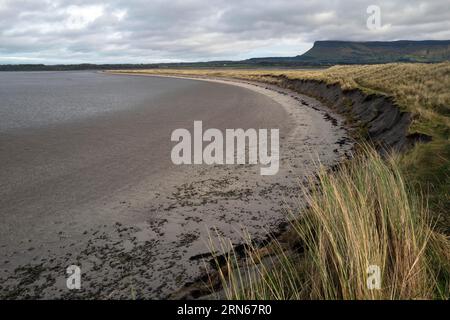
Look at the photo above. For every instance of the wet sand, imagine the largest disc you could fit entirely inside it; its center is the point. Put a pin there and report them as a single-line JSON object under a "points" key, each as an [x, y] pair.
{"points": [[103, 194]]}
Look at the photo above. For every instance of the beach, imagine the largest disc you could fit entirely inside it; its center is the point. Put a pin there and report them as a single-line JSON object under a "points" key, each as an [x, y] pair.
{"points": [[99, 190]]}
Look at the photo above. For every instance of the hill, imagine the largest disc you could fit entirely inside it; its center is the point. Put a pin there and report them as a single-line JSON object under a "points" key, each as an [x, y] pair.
{"points": [[347, 52]]}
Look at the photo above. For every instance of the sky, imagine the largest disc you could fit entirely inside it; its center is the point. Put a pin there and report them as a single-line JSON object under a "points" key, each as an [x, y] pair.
{"points": [[153, 31]]}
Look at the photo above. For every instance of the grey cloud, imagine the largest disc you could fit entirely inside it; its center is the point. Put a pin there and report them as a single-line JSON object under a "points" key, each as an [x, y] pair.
{"points": [[62, 31]]}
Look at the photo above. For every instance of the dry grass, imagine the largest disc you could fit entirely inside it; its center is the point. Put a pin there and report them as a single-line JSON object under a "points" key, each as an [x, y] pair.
{"points": [[360, 216]]}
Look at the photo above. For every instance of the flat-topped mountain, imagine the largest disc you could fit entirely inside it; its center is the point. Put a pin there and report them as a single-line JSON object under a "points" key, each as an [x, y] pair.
{"points": [[348, 52], [378, 51]]}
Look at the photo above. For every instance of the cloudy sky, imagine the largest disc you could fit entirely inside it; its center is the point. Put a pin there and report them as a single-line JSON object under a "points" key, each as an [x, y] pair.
{"points": [[145, 31]]}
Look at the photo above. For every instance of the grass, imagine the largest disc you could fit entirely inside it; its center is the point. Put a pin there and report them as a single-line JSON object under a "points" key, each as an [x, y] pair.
{"points": [[393, 212], [362, 215]]}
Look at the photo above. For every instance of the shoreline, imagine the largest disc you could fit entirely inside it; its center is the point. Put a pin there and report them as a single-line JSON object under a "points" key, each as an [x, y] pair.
{"points": [[377, 118], [197, 289], [238, 197]]}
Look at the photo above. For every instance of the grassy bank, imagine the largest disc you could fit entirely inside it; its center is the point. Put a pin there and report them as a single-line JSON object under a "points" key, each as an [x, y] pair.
{"points": [[392, 213]]}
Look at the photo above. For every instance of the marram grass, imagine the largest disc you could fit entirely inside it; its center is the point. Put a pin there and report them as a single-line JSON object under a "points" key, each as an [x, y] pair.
{"points": [[361, 215]]}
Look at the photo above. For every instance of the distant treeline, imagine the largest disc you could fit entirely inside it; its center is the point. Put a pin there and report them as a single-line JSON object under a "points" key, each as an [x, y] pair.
{"points": [[72, 67], [213, 64]]}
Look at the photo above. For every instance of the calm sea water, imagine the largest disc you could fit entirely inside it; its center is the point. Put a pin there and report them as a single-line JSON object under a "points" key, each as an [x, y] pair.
{"points": [[35, 99]]}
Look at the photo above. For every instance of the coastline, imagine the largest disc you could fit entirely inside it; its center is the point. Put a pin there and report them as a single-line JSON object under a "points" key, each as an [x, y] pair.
{"points": [[201, 286], [370, 115], [233, 195]]}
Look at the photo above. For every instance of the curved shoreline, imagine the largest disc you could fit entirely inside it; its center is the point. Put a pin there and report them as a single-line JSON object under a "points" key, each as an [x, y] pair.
{"points": [[197, 288], [166, 251]]}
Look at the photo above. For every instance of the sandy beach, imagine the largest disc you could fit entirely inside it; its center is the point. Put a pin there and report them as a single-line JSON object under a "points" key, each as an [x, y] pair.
{"points": [[101, 192]]}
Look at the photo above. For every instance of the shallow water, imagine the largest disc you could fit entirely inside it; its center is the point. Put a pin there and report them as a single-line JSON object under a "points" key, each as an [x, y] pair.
{"points": [[37, 99]]}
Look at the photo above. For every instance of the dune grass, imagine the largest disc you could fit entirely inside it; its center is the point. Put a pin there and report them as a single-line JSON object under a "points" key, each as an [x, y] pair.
{"points": [[363, 214]]}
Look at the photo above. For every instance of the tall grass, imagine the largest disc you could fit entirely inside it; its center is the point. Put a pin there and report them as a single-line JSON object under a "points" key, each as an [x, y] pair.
{"points": [[364, 214]]}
